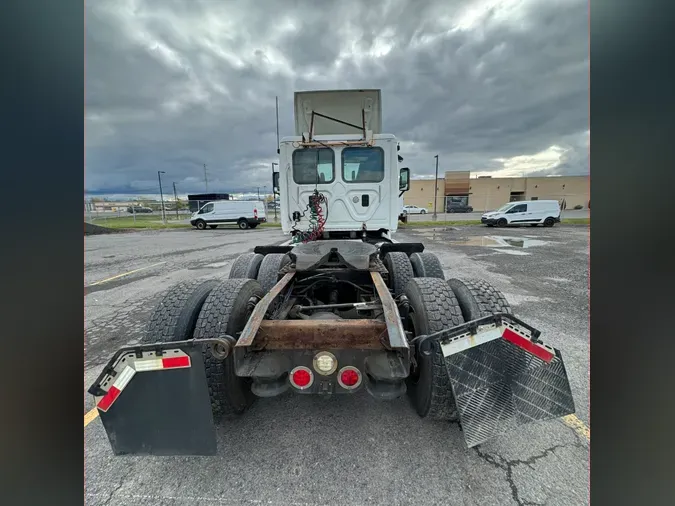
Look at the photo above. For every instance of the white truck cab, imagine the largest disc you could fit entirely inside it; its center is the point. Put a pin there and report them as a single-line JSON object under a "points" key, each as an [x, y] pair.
{"points": [[528, 212], [339, 153]]}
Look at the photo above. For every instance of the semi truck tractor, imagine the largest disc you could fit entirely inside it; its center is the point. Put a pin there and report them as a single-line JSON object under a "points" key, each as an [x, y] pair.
{"points": [[340, 308]]}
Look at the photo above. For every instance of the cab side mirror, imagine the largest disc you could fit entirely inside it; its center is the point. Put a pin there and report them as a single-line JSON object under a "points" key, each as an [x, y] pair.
{"points": [[275, 182], [404, 179]]}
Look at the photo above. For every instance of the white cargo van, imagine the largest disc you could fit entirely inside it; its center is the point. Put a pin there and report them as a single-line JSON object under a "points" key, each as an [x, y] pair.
{"points": [[529, 212], [245, 213]]}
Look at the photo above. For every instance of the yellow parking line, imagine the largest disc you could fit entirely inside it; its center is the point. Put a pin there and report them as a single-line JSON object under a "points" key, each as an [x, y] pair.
{"points": [[578, 426], [124, 274], [91, 416]]}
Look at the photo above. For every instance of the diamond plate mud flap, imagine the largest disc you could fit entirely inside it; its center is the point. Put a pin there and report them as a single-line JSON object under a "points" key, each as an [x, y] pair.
{"points": [[156, 402], [501, 379]]}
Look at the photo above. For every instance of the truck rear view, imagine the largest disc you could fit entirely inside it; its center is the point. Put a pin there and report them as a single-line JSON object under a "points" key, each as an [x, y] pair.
{"points": [[343, 309]]}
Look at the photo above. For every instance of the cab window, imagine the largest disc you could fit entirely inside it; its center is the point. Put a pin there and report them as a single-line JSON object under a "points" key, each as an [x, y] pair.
{"points": [[206, 209], [313, 166], [363, 165]]}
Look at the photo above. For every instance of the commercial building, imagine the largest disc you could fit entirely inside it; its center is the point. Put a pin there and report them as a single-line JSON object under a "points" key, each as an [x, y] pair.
{"points": [[485, 193]]}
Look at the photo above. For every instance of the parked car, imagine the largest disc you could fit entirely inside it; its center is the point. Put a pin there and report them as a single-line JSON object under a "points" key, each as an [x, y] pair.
{"points": [[138, 209], [414, 210], [530, 212], [458, 207], [245, 213]]}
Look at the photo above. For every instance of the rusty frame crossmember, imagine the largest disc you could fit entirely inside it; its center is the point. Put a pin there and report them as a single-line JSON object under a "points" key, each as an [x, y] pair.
{"points": [[362, 334]]}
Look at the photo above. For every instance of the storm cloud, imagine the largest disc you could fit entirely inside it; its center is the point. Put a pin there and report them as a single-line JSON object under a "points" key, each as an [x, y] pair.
{"points": [[494, 87]]}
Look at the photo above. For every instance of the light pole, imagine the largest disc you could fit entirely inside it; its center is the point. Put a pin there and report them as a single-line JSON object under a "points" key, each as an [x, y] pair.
{"points": [[161, 194], [274, 191], [435, 187], [175, 199], [258, 193]]}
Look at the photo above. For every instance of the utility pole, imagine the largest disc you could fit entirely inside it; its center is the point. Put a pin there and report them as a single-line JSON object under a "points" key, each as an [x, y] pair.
{"points": [[175, 199], [206, 180], [274, 192], [258, 192], [435, 187]]}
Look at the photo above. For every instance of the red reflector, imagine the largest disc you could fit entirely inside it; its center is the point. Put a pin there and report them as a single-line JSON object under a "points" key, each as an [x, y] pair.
{"points": [[536, 349], [301, 378], [169, 362], [108, 399], [255, 213], [349, 377]]}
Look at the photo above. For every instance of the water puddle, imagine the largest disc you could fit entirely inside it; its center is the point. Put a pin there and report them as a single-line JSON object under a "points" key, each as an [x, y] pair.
{"points": [[437, 233], [500, 242]]}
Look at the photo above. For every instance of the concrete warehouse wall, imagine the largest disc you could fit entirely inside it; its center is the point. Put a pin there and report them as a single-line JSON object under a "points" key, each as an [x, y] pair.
{"points": [[421, 194], [491, 193]]}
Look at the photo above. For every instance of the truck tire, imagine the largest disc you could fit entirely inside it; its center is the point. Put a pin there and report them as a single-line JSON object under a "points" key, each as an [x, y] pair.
{"points": [[426, 265], [433, 307], [400, 271], [549, 222], [478, 298], [268, 274], [175, 316], [200, 224], [242, 224], [501, 222], [226, 311], [246, 266]]}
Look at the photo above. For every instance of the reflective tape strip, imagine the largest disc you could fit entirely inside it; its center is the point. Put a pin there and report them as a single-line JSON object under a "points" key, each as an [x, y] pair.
{"points": [[156, 364], [151, 364], [108, 399], [523, 342], [468, 341], [124, 378], [176, 362], [116, 389]]}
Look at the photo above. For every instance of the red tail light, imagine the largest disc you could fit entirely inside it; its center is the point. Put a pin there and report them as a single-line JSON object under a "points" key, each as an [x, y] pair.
{"points": [[301, 378], [349, 377], [255, 213]]}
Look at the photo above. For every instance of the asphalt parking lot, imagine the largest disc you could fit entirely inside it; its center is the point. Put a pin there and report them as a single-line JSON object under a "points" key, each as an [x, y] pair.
{"points": [[305, 450]]}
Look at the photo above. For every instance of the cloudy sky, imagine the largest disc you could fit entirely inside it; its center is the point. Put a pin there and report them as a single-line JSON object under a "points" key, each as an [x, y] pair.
{"points": [[494, 87]]}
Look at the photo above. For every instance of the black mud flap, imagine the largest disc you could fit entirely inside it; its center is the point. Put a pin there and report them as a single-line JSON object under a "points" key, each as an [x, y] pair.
{"points": [[502, 379], [156, 403]]}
